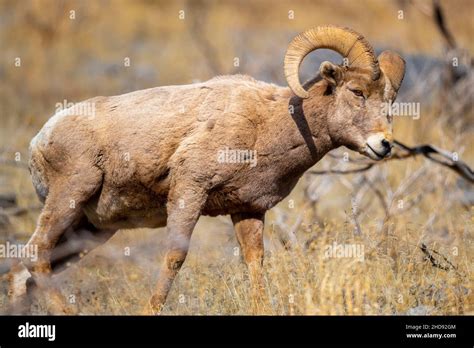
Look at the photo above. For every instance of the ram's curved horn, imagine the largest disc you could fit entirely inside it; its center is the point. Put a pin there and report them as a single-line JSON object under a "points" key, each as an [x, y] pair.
{"points": [[345, 41]]}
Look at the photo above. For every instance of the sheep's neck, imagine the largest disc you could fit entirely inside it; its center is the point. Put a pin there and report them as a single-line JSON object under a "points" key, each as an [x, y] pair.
{"points": [[297, 141]]}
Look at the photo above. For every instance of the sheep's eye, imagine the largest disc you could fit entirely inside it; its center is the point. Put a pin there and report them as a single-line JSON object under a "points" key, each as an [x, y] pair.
{"points": [[357, 92]]}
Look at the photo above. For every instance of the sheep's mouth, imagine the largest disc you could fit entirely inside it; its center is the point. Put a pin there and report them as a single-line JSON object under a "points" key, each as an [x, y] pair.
{"points": [[379, 156]]}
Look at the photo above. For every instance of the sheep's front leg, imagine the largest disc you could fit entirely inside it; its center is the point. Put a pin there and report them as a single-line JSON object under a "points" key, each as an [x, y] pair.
{"points": [[184, 207], [249, 232]]}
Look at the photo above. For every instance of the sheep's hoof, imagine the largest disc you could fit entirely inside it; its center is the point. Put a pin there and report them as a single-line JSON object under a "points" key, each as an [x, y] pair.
{"points": [[154, 307], [17, 281], [149, 310], [57, 305], [18, 306]]}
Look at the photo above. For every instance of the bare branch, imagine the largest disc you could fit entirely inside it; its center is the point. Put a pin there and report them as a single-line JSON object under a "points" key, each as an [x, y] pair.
{"points": [[430, 256], [441, 24], [349, 171], [17, 211], [12, 163], [428, 151]]}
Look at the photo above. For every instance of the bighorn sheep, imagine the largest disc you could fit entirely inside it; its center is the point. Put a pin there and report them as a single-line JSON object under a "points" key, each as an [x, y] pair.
{"points": [[150, 158]]}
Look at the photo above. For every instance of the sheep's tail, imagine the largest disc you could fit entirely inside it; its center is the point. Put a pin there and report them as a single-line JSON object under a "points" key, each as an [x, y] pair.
{"points": [[36, 165]]}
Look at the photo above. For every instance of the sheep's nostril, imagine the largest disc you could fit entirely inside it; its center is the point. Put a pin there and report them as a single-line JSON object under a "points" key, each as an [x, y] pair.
{"points": [[386, 143]]}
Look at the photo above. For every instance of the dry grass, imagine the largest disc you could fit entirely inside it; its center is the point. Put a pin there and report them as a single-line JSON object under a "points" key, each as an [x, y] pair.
{"points": [[297, 282], [74, 60]]}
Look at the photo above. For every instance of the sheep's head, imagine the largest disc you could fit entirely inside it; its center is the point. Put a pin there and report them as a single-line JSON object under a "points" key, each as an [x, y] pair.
{"points": [[361, 88]]}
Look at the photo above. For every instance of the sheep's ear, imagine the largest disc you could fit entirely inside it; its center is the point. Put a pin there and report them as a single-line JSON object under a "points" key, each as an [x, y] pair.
{"points": [[393, 66], [331, 73]]}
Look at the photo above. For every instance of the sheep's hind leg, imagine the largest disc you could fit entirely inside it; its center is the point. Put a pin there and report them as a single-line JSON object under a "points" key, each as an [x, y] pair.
{"points": [[63, 208], [76, 243], [73, 245]]}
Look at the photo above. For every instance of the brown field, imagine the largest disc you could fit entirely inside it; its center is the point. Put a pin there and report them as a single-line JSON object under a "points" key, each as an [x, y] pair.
{"points": [[389, 210]]}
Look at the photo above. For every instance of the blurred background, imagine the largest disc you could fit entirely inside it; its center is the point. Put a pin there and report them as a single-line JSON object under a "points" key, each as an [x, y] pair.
{"points": [[56, 51]]}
